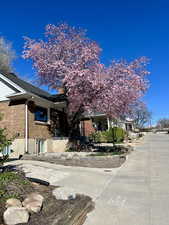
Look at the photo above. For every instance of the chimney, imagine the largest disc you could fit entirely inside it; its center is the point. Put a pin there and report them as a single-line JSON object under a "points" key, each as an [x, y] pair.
{"points": [[61, 90]]}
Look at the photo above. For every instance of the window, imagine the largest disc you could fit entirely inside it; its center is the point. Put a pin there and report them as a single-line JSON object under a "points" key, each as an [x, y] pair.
{"points": [[41, 114], [6, 150], [41, 146]]}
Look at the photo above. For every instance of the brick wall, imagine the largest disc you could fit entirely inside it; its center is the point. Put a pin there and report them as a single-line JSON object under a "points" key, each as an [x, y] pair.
{"points": [[13, 118], [37, 129], [87, 127]]}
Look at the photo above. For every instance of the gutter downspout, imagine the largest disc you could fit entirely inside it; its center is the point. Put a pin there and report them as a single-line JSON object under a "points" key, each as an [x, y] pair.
{"points": [[108, 123], [26, 126]]}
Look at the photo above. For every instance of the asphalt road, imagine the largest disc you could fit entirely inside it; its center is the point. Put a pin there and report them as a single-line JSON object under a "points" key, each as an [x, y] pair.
{"points": [[135, 194]]}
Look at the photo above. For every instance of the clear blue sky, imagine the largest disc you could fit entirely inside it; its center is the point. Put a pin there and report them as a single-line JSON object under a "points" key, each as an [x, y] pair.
{"points": [[124, 29]]}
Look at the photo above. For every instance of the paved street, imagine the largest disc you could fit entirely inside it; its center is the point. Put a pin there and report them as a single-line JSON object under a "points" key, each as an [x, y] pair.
{"points": [[135, 194], [139, 193]]}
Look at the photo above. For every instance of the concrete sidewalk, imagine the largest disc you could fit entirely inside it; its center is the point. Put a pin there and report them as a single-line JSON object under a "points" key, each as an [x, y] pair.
{"points": [[135, 194]]}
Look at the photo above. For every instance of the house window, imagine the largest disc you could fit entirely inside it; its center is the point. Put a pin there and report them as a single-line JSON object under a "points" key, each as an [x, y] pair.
{"points": [[41, 114], [6, 150], [40, 145], [128, 126]]}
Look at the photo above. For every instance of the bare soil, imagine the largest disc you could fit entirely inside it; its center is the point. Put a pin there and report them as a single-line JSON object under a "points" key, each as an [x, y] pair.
{"points": [[54, 212]]}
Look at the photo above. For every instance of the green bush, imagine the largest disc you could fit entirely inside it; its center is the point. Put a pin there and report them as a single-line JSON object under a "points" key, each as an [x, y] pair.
{"points": [[113, 135], [4, 142], [96, 136]]}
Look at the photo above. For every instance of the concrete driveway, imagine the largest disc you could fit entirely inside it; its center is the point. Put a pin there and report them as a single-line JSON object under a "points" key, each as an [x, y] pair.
{"points": [[135, 194]]}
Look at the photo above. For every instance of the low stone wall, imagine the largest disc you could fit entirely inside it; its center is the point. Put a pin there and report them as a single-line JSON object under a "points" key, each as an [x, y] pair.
{"points": [[79, 159]]}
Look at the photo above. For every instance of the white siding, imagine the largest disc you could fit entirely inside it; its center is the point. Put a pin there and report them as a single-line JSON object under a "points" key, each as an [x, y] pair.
{"points": [[5, 91]]}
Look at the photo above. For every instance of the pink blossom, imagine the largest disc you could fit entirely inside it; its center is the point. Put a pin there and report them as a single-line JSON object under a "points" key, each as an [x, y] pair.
{"points": [[69, 59]]}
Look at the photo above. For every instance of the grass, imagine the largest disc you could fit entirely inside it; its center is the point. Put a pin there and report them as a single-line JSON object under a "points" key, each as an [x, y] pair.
{"points": [[7, 177], [11, 185]]}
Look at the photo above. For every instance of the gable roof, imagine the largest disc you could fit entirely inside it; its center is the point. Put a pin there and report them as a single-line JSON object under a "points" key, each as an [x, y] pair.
{"points": [[33, 89], [9, 85], [27, 86]]}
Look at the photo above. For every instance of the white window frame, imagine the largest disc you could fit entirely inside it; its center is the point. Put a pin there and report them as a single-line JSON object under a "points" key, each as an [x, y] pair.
{"points": [[48, 116]]}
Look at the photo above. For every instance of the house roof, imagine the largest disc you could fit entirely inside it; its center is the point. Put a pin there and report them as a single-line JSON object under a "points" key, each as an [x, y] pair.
{"points": [[58, 98], [27, 86], [33, 89]]}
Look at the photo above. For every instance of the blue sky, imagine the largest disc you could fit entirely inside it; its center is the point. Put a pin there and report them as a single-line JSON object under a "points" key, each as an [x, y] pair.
{"points": [[124, 29]]}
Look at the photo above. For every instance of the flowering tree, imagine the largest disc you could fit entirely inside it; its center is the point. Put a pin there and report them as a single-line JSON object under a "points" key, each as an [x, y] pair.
{"points": [[69, 59]]}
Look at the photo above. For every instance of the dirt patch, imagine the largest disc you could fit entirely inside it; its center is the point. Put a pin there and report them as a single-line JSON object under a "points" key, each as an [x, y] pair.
{"points": [[13, 185], [54, 212]]}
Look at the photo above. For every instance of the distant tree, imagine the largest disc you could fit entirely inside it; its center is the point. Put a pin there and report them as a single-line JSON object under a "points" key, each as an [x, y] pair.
{"points": [[69, 59], [7, 55], [163, 123], [141, 115]]}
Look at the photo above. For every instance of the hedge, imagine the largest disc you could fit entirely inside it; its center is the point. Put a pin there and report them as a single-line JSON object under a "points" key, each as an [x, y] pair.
{"points": [[113, 135]]}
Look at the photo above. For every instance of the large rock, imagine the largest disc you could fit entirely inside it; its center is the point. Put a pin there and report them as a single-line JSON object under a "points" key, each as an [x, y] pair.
{"points": [[13, 202], [33, 206], [33, 202], [133, 135], [35, 196], [64, 193], [15, 215]]}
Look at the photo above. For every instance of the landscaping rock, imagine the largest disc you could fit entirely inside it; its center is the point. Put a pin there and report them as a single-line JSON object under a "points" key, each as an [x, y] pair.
{"points": [[133, 135], [69, 156], [33, 206], [54, 212], [64, 193], [15, 215], [35, 196], [13, 202], [33, 203]]}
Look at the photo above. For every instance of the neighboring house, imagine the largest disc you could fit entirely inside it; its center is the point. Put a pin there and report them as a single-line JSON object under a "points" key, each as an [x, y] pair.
{"points": [[100, 122], [93, 122], [31, 116]]}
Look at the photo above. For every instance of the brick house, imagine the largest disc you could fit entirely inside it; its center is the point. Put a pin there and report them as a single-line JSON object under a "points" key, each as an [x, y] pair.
{"points": [[99, 122], [35, 118], [31, 115]]}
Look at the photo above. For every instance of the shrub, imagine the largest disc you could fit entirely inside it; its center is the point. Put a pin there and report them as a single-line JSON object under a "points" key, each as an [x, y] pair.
{"points": [[113, 135], [96, 136], [4, 142]]}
